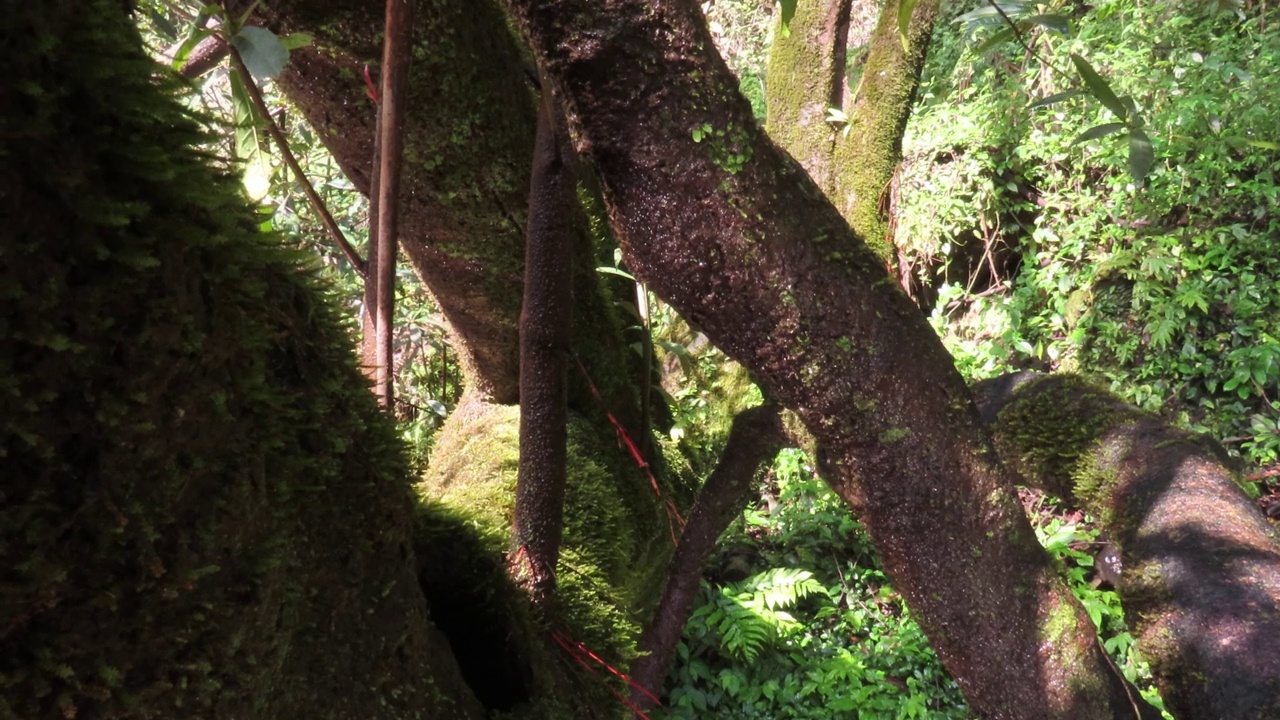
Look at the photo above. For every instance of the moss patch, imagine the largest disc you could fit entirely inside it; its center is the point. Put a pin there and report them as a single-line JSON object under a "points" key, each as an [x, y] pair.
{"points": [[204, 513], [615, 549]]}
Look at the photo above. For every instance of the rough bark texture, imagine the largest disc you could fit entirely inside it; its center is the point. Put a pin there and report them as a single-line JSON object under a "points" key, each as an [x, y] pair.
{"points": [[739, 240], [544, 352], [1201, 566], [204, 514], [756, 436], [466, 161], [473, 111], [807, 75], [866, 160]]}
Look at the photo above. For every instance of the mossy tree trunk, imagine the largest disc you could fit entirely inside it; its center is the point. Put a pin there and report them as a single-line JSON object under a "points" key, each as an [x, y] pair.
{"points": [[741, 242], [204, 513], [472, 117], [807, 66], [1201, 566], [538, 522], [807, 75]]}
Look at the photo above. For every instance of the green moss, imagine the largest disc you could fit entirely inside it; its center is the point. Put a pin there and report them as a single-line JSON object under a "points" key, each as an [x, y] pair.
{"points": [[205, 514], [616, 541], [1054, 426], [894, 435]]}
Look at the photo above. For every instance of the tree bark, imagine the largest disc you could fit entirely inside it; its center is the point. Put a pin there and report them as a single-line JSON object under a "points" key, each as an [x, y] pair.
{"points": [[807, 75], [396, 51], [545, 324], [756, 436], [741, 242], [466, 178], [1200, 573]]}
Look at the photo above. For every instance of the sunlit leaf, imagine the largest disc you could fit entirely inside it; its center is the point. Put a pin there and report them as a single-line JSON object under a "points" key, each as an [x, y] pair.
{"points": [[261, 50], [905, 9], [1057, 23], [1141, 156], [788, 8], [1055, 98], [1099, 87], [250, 142]]}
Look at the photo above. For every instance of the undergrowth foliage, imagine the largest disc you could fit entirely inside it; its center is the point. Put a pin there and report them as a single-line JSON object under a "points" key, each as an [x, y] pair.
{"points": [[795, 620], [1043, 254]]}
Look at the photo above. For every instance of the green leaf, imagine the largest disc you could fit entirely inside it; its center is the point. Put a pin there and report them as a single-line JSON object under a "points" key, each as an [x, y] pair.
{"points": [[788, 11], [250, 142], [1098, 131], [606, 270], [1099, 87], [197, 35], [1055, 98], [1003, 36], [1141, 156], [261, 50], [905, 10], [1057, 23]]}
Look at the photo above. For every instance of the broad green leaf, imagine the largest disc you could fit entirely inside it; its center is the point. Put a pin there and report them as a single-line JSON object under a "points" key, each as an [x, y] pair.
{"points": [[1098, 131], [1054, 98], [184, 51], [1239, 143], [989, 15], [1099, 87], [1057, 23], [1004, 35], [250, 143], [905, 10], [261, 50], [196, 33], [1141, 156]]}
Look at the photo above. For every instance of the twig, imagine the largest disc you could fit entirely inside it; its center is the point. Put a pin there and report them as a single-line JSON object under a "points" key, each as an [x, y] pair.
{"points": [[255, 94]]}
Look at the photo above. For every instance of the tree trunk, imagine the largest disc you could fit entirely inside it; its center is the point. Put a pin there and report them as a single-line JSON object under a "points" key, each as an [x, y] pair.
{"points": [[466, 177], [743, 244], [867, 158], [807, 75], [397, 47], [544, 350], [807, 67], [1200, 573], [755, 438], [204, 513]]}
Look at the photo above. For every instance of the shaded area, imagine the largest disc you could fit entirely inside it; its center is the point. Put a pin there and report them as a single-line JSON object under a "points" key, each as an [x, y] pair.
{"points": [[473, 604], [204, 513], [1201, 566]]}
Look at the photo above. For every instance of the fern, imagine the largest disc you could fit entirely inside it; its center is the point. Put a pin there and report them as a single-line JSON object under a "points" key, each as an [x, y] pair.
{"points": [[750, 614]]}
